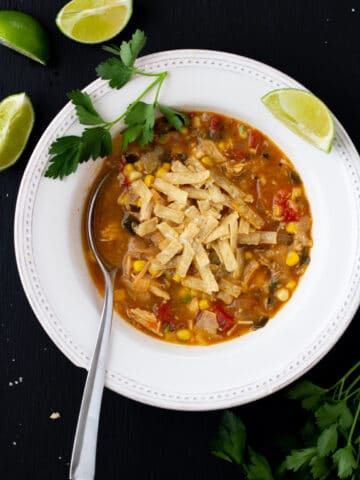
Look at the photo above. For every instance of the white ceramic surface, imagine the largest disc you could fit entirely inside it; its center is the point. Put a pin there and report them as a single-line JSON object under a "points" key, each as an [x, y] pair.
{"points": [[57, 284]]}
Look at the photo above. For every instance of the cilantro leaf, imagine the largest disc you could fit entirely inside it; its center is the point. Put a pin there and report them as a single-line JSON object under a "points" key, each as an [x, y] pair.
{"points": [[229, 444], [114, 70], [259, 468], [141, 121], [305, 389], [96, 143], [327, 441], [299, 458], [66, 154], [176, 119], [85, 109], [345, 461], [130, 50], [111, 49], [328, 414], [318, 467]]}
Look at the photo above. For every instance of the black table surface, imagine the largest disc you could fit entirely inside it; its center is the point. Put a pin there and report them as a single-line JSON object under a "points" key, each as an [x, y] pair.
{"points": [[316, 42]]}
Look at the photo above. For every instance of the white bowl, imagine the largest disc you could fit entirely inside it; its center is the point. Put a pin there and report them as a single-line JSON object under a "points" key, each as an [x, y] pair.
{"points": [[57, 283]]}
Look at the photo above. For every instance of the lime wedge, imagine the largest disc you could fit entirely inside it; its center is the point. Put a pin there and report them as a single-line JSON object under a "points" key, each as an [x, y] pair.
{"points": [[16, 122], [304, 114], [93, 21], [24, 34]]}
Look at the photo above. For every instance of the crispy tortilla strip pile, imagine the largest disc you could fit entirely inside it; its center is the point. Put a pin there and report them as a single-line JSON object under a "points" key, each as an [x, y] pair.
{"points": [[198, 220]]}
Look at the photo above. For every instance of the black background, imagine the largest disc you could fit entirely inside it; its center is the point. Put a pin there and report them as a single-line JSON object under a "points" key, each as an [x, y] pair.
{"points": [[316, 42]]}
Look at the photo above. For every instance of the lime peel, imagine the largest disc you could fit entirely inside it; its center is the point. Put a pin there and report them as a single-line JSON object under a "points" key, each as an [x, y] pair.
{"points": [[304, 113], [16, 122]]}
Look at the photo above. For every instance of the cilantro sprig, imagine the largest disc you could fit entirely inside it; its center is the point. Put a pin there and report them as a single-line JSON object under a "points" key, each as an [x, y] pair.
{"points": [[328, 446], [67, 152]]}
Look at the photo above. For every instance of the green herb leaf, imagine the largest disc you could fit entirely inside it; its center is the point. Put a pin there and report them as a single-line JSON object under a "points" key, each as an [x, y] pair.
{"points": [[305, 389], [345, 461], [186, 299], [114, 70], [130, 50], [111, 49], [96, 143], [327, 441], [259, 468], [141, 121], [319, 467], [299, 458], [66, 155], [229, 444], [328, 414], [176, 119], [85, 109]]}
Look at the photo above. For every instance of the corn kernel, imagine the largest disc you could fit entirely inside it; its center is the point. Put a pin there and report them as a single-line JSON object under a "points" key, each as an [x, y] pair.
{"points": [[292, 258], [184, 130], [291, 284], [123, 199], [296, 193], [207, 161], [248, 255], [166, 166], [138, 265], [183, 292], [291, 227], [139, 202], [176, 277], [160, 172], [149, 180], [119, 295], [132, 176], [128, 168], [282, 294], [184, 334], [222, 145], [204, 304], [195, 122], [276, 210]]}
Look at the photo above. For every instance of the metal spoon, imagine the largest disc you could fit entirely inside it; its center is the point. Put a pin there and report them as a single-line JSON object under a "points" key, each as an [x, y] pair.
{"points": [[82, 465]]}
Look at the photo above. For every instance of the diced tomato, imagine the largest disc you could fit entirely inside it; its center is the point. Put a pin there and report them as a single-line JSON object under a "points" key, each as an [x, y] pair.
{"points": [[224, 320], [215, 124], [254, 139], [288, 213], [163, 312], [235, 153]]}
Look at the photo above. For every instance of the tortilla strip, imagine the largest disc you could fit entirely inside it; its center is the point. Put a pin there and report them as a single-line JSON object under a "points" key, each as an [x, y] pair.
{"points": [[185, 260], [167, 231], [178, 166], [167, 213], [227, 255], [197, 193], [230, 288], [204, 206], [245, 211], [144, 228], [223, 229], [192, 212], [173, 193], [209, 279], [201, 257], [145, 194], [168, 253], [215, 195], [184, 178], [244, 226], [208, 224], [233, 227], [191, 230], [228, 186]]}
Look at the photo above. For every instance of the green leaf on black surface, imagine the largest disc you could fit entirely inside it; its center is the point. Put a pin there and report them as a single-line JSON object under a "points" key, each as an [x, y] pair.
{"points": [[299, 458], [176, 119], [305, 389], [85, 109], [115, 71], [130, 50], [345, 461], [319, 467], [328, 414], [327, 441], [229, 443], [259, 468]]}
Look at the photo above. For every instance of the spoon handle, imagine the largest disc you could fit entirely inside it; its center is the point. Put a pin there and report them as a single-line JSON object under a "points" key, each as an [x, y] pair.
{"points": [[83, 458]]}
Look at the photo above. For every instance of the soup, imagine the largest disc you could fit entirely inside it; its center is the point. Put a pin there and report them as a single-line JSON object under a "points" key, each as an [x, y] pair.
{"points": [[210, 228]]}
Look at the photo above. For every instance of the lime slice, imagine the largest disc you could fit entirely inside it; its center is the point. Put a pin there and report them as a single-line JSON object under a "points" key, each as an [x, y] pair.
{"points": [[304, 114], [16, 122], [24, 34], [94, 21]]}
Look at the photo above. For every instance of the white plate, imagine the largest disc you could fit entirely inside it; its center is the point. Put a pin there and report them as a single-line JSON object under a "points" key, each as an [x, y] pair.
{"points": [[57, 284]]}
